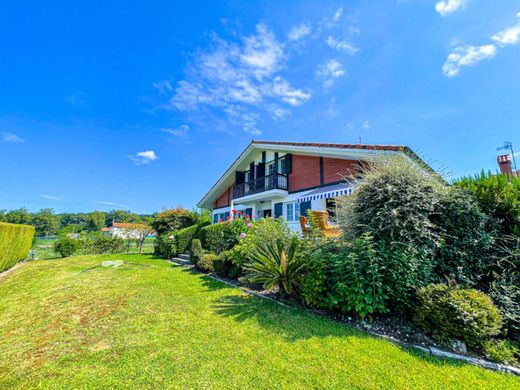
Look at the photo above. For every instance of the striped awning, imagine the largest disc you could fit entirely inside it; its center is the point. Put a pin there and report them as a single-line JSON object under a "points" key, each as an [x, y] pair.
{"points": [[328, 192]]}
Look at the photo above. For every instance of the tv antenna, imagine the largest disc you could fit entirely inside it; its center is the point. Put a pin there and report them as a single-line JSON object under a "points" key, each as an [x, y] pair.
{"points": [[509, 146]]}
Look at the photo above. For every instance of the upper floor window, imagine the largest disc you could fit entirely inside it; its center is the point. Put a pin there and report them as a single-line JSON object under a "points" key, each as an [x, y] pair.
{"points": [[293, 211]]}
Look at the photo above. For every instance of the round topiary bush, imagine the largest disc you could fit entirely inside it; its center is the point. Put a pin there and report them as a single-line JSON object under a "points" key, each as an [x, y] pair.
{"points": [[448, 312], [66, 246]]}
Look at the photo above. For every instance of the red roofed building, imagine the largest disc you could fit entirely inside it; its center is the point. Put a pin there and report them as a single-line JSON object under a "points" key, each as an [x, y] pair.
{"points": [[126, 230], [285, 179]]}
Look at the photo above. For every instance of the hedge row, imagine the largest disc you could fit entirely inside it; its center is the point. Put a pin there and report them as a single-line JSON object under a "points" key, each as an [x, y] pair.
{"points": [[184, 237], [15, 243]]}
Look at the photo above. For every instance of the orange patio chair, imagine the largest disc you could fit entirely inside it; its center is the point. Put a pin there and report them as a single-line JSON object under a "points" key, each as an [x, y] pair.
{"points": [[322, 219]]}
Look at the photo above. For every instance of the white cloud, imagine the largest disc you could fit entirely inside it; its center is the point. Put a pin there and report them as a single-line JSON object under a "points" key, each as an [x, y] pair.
{"points": [[105, 203], [341, 46], [240, 79], [446, 7], [298, 32], [508, 36], [365, 125], [10, 137], [52, 197], [466, 56], [290, 95], [143, 158], [337, 14], [262, 52], [329, 71], [181, 131]]}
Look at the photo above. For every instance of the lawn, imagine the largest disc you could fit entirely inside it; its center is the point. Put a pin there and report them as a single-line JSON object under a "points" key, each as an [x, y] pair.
{"points": [[153, 325]]}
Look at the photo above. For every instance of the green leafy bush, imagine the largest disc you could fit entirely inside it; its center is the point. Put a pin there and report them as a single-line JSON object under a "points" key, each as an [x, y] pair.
{"points": [[15, 242], [205, 264], [66, 246], [394, 202], [467, 237], [184, 237], [318, 256], [499, 196], [404, 270], [196, 252], [164, 245], [448, 312], [223, 236], [357, 280], [501, 351], [173, 220], [276, 266], [222, 265], [98, 244]]}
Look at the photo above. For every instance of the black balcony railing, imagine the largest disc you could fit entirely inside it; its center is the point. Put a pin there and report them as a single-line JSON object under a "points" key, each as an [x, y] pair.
{"points": [[274, 181]]}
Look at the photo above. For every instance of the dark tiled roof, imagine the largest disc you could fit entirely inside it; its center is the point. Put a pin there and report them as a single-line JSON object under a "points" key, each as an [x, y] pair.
{"points": [[394, 148]]}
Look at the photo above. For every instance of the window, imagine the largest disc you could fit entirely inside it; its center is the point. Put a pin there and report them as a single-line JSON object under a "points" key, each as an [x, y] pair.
{"points": [[293, 212], [330, 205]]}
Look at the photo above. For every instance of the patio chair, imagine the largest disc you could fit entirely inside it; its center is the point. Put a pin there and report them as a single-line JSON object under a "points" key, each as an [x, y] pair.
{"points": [[304, 223], [322, 219]]}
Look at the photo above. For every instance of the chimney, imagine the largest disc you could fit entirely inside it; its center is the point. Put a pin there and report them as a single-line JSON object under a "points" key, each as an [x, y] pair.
{"points": [[504, 162]]}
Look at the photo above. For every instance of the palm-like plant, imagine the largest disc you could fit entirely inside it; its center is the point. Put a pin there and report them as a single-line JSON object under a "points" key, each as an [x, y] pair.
{"points": [[272, 266]]}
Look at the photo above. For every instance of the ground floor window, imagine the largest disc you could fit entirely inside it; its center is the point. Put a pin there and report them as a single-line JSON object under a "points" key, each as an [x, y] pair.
{"points": [[293, 212], [331, 206]]}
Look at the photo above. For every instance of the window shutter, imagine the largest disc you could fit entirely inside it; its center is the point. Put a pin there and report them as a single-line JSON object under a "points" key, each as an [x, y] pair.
{"points": [[278, 210], [304, 206], [249, 211], [288, 163], [239, 177], [215, 218]]}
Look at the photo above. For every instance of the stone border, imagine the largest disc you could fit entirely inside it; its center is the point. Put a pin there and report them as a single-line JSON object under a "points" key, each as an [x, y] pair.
{"points": [[432, 351], [13, 268]]}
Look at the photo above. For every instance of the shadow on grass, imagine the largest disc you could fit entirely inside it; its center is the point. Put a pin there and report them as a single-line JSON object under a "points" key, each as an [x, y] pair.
{"points": [[294, 324]]}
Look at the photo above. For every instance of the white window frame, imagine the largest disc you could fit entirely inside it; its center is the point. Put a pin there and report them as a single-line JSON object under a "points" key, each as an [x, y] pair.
{"points": [[294, 208]]}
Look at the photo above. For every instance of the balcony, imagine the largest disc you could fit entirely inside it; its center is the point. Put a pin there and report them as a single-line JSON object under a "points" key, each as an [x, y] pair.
{"points": [[274, 181]]}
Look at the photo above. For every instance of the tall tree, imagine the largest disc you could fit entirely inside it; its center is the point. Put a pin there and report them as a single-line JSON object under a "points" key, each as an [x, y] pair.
{"points": [[46, 222], [96, 221]]}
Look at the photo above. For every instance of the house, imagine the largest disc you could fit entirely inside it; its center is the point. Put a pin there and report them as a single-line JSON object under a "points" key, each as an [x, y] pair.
{"points": [[126, 230], [273, 179]]}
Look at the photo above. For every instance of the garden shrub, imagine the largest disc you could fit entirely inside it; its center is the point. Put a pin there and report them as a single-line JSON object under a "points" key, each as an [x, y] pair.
{"points": [[196, 251], [318, 255], [394, 202], [98, 244], [66, 246], [499, 196], [15, 243], [448, 312], [404, 270], [501, 351], [466, 235], [223, 236], [184, 237], [222, 265], [164, 245], [357, 280], [173, 220], [205, 264], [276, 266]]}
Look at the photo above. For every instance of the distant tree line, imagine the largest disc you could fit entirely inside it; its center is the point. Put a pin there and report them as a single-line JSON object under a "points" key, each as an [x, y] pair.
{"points": [[48, 223]]}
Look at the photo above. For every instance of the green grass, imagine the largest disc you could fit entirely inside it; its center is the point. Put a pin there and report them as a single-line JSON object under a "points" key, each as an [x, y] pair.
{"points": [[166, 327]]}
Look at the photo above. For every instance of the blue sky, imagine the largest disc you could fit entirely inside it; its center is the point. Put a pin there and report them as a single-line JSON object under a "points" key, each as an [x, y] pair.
{"points": [[143, 105]]}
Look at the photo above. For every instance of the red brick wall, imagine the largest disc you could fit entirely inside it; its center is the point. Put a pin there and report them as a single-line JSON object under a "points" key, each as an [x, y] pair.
{"points": [[222, 200], [334, 169], [305, 172]]}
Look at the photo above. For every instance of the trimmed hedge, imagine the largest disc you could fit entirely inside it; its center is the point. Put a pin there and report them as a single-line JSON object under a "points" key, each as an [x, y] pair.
{"points": [[184, 236], [15, 243]]}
